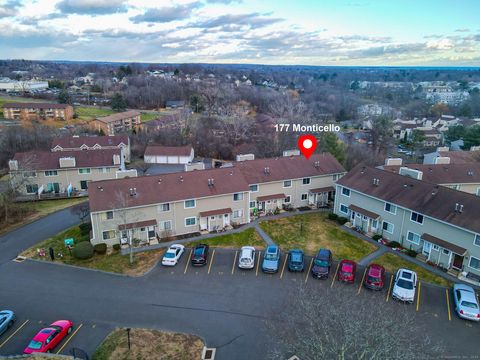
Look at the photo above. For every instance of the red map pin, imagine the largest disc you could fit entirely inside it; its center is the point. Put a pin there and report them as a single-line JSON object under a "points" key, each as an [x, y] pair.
{"points": [[307, 145]]}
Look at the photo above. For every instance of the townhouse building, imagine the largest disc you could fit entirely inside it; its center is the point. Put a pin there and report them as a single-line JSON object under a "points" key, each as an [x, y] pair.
{"points": [[122, 122], [37, 111], [44, 174], [438, 222]]}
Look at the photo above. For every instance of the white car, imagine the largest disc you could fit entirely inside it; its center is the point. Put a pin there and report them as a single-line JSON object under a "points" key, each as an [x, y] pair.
{"points": [[173, 254], [405, 285], [247, 258]]}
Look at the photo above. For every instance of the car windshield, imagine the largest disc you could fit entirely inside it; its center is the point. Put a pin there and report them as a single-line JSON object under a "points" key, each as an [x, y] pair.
{"points": [[322, 263], [296, 258], [469, 304], [35, 345], [2, 320], [169, 255], [405, 284], [372, 279], [270, 256], [245, 259], [198, 251]]}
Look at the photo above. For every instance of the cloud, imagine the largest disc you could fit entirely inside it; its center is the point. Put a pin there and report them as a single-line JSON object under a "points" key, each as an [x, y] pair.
{"points": [[226, 2], [9, 8], [167, 13], [236, 22], [462, 30], [92, 7], [440, 44]]}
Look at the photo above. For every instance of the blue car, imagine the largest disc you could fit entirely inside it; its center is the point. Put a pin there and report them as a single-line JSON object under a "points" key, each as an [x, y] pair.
{"points": [[7, 318], [271, 259], [296, 260]]}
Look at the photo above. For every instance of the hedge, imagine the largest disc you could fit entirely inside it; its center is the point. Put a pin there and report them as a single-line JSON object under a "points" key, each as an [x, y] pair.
{"points": [[332, 216], [85, 228], [342, 220], [116, 247], [100, 249], [83, 250]]}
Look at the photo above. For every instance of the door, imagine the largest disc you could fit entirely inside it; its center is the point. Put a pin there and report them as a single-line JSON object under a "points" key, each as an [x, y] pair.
{"points": [[311, 199], [151, 232], [83, 185], [457, 261], [226, 219], [427, 247]]}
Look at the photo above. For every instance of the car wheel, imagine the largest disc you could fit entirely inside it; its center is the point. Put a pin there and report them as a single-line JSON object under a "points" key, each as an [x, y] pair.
{"points": [[48, 351], [69, 330], [10, 324]]}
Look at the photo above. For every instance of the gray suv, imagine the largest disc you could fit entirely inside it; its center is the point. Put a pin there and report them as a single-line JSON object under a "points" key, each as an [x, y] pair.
{"points": [[271, 259]]}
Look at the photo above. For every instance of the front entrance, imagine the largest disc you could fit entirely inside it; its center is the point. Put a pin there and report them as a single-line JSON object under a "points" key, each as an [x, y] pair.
{"points": [[226, 220], [427, 248], [457, 261]]}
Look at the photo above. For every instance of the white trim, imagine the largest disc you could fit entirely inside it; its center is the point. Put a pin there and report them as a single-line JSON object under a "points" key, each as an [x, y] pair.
{"points": [[413, 242], [349, 191], [306, 197], [114, 232], [190, 217], [393, 227], [470, 261], [390, 212], [475, 240], [309, 181], [289, 197], [340, 209], [258, 187], [185, 203], [169, 207], [287, 187], [238, 193], [416, 222]]}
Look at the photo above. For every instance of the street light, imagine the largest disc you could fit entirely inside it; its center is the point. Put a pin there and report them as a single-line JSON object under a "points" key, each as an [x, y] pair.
{"points": [[128, 337]]}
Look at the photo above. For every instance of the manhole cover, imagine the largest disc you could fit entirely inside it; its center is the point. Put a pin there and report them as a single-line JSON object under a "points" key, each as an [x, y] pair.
{"points": [[20, 259], [208, 353]]}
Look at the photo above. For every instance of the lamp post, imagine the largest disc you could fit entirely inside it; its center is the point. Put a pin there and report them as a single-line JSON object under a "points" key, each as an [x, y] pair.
{"points": [[128, 337]]}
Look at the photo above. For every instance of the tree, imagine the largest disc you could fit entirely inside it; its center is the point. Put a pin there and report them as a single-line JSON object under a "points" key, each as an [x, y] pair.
{"points": [[330, 143], [472, 137], [316, 325], [439, 109], [382, 130], [196, 103], [56, 84], [64, 97], [455, 133], [118, 103]]}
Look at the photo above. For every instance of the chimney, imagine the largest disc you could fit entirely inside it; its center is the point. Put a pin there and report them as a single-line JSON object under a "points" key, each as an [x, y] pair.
{"points": [[316, 164], [456, 207], [266, 170], [376, 181], [460, 209], [13, 165], [181, 178], [470, 173], [133, 191], [159, 181]]}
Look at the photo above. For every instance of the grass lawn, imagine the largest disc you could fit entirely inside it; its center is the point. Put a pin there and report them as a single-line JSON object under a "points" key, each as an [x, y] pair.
{"points": [[113, 262], [149, 116], [236, 240], [149, 344], [311, 232], [392, 263], [88, 113]]}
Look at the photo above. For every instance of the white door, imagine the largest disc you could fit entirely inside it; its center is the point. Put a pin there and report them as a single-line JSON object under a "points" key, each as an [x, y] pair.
{"points": [[226, 219], [427, 247], [203, 223]]}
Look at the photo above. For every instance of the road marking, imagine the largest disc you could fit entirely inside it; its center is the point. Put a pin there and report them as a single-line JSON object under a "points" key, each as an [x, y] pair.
{"points": [[16, 331], [418, 295], [389, 287], [188, 261], [361, 283], [234, 261], [283, 267], [335, 276], [70, 338], [211, 262], [309, 269], [448, 305], [258, 262]]}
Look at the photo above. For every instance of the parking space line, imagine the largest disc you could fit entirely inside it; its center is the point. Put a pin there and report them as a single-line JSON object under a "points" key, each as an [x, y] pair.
{"points": [[283, 267], [16, 331], [70, 338], [418, 295], [389, 288], [309, 269], [234, 261], [211, 262], [335, 276], [361, 282], [448, 305], [258, 262], [188, 261]]}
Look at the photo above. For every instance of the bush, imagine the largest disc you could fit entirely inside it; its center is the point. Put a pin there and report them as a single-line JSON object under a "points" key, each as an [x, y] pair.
{"points": [[342, 220], [394, 244], [100, 249], [83, 250], [333, 216], [116, 247], [411, 253], [376, 237], [85, 228]]}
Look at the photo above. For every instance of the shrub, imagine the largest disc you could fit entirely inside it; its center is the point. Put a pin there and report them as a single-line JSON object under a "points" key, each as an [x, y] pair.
{"points": [[342, 220], [411, 253], [332, 216], [394, 244], [100, 249], [85, 228], [376, 237], [116, 247], [83, 250]]}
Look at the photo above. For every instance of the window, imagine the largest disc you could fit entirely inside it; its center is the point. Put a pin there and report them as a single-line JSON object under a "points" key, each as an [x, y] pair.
{"points": [[104, 170], [387, 227], [435, 247], [166, 225], [390, 208], [109, 215], [304, 196], [237, 196], [413, 238], [51, 173], [343, 209], [417, 218], [164, 207], [191, 221], [84, 171], [189, 203], [32, 188], [237, 213], [446, 251], [474, 263], [335, 177], [477, 240], [287, 200], [306, 181], [478, 191], [253, 204], [345, 191], [27, 174], [254, 188], [109, 234], [287, 183]]}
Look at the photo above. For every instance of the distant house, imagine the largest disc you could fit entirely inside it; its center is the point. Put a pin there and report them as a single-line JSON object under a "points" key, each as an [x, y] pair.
{"points": [[442, 155], [78, 143], [9, 85], [158, 154], [175, 104], [118, 123], [37, 111]]}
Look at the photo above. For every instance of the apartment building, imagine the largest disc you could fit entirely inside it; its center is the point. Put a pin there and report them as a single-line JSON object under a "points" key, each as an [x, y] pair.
{"points": [[37, 111], [79, 143], [118, 123], [43, 174], [438, 222]]}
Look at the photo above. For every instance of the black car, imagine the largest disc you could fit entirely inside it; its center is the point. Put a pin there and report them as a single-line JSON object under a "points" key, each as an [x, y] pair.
{"points": [[296, 260], [321, 264], [200, 255]]}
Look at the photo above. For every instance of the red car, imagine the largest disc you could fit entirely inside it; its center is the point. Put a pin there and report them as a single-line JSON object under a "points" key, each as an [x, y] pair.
{"points": [[49, 337], [346, 271], [374, 277]]}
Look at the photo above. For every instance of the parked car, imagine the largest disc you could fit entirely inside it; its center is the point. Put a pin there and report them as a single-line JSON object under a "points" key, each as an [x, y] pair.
{"points": [[346, 271], [173, 254], [48, 338], [374, 277], [7, 318], [200, 255], [247, 257], [271, 259], [466, 303], [322, 264], [296, 260], [405, 285]]}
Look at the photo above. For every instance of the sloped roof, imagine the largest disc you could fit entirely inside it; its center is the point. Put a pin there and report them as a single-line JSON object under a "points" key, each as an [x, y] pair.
{"points": [[159, 150], [34, 105], [444, 173], [119, 116], [75, 142]]}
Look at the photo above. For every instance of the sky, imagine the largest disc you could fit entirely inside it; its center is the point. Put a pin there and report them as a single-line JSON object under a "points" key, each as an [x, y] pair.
{"points": [[293, 32]]}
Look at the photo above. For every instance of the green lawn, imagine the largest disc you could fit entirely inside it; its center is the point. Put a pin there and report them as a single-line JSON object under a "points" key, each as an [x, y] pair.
{"points": [[392, 263], [88, 113], [235, 240], [311, 232], [149, 116]]}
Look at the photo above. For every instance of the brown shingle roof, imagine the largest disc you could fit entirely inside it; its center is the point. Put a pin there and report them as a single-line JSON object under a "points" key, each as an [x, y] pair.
{"points": [[138, 224], [322, 189], [119, 116], [461, 157], [34, 105], [216, 212], [47, 160], [456, 249], [420, 196], [75, 142], [365, 212], [444, 173], [271, 197], [159, 150]]}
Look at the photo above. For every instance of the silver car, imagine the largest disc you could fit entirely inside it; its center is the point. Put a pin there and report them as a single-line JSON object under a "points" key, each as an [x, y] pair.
{"points": [[466, 303]]}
